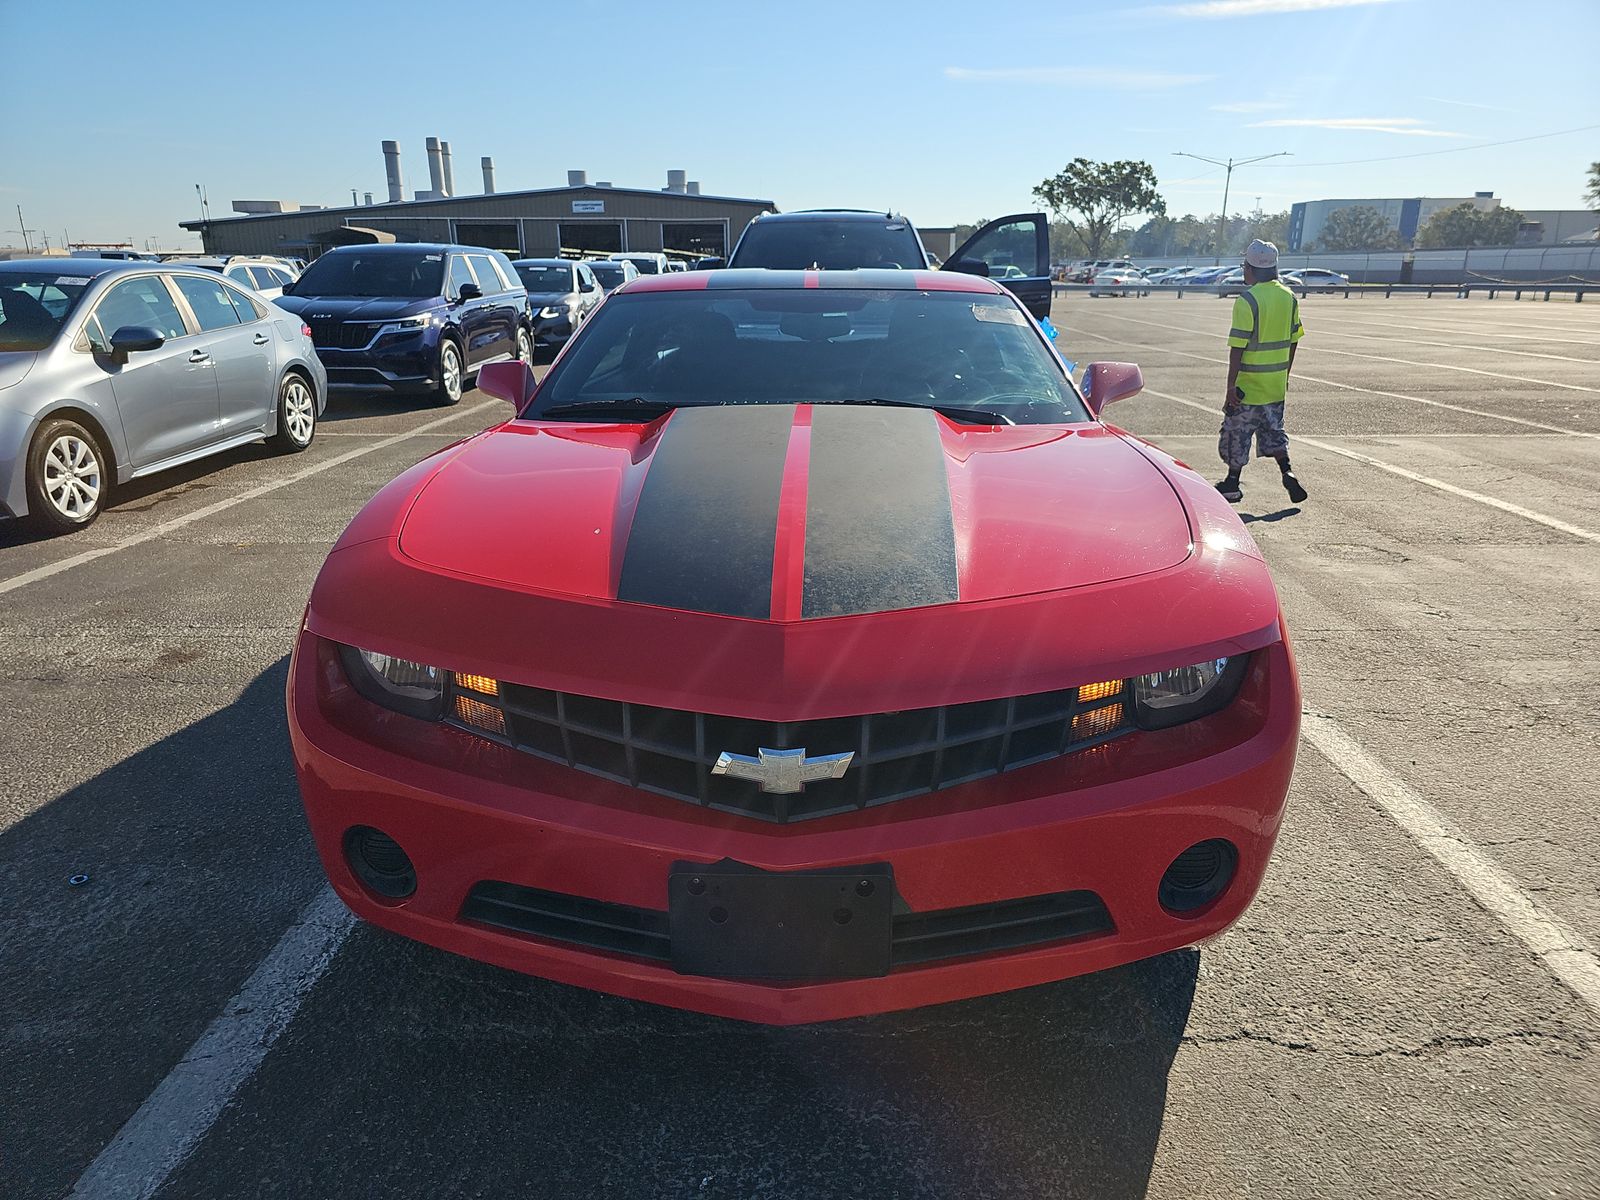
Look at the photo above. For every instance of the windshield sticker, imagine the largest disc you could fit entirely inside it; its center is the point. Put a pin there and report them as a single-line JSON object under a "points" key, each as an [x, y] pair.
{"points": [[1000, 314], [72, 279]]}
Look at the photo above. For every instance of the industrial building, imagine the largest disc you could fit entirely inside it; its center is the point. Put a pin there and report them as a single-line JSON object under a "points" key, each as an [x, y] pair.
{"points": [[1544, 227], [580, 218]]}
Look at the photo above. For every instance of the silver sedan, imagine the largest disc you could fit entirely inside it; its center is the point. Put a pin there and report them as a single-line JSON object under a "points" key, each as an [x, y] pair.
{"points": [[111, 370]]}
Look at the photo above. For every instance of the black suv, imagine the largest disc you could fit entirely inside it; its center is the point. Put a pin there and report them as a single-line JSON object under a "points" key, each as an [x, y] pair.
{"points": [[412, 317], [1014, 251]]}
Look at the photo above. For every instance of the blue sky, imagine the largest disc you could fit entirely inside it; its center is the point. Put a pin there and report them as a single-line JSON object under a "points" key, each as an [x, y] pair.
{"points": [[945, 111]]}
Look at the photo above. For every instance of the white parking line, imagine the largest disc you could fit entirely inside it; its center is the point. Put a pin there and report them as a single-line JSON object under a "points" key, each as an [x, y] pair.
{"points": [[1349, 387], [1572, 959], [1406, 362], [1337, 327], [178, 1114], [200, 514], [1516, 510]]}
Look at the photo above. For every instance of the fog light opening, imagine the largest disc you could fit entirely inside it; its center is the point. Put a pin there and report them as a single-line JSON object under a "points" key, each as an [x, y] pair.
{"points": [[379, 863], [1198, 876]]}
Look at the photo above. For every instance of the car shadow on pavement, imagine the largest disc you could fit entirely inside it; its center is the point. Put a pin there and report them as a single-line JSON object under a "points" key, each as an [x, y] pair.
{"points": [[359, 405], [413, 1072], [1280, 514], [195, 858]]}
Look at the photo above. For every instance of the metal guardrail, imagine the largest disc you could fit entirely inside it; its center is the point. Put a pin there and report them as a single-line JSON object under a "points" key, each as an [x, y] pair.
{"points": [[1458, 290]]}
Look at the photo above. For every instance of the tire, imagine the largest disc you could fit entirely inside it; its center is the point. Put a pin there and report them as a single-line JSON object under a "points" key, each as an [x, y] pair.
{"points": [[452, 374], [524, 346], [297, 415], [69, 477]]}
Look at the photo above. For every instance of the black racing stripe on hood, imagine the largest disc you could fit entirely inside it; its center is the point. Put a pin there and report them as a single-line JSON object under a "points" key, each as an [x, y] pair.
{"points": [[703, 531], [879, 530]]}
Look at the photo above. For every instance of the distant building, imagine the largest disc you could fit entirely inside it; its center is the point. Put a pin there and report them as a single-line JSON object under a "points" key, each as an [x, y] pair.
{"points": [[1405, 217]]}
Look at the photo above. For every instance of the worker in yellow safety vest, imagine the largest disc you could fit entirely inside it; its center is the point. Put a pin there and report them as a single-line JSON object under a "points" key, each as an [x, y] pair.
{"points": [[1261, 344]]}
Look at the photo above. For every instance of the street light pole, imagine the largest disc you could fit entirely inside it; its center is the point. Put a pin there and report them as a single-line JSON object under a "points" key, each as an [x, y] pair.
{"points": [[1227, 183]]}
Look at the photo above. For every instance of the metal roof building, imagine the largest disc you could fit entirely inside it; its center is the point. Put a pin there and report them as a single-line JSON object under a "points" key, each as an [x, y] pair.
{"points": [[581, 218]]}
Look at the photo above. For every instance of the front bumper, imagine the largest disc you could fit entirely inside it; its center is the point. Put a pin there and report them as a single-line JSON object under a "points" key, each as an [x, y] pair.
{"points": [[400, 363], [552, 331], [1107, 821]]}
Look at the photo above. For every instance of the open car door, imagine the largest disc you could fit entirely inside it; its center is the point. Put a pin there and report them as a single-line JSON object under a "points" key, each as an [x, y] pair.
{"points": [[1013, 251]]}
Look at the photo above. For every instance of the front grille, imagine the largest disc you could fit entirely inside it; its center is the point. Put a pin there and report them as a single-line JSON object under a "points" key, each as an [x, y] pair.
{"points": [[918, 938], [334, 334], [897, 754]]}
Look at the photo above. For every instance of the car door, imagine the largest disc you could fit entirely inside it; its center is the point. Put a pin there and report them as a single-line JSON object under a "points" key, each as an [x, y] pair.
{"points": [[471, 316], [166, 397], [588, 290], [1021, 240], [243, 355], [498, 302]]}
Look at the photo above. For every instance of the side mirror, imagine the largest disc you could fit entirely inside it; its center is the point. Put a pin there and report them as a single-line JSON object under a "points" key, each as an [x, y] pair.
{"points": [[711, 263], [509, 381], [1106, 382], [469, 291], [967, 266], [131, 338]]}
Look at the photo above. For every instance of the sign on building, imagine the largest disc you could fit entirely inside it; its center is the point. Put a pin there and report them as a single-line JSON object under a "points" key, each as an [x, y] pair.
{"points": [[588, 206]]}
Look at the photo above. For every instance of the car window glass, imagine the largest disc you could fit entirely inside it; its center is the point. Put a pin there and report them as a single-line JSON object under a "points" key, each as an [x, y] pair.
{"points": [[261, 277], [830, 244], [95, 335], [385, 272], [209, 300], [460, 274], [1013, 244], [586, 281], [144, 301], [240, 275], [248, 308], [488, 277]]}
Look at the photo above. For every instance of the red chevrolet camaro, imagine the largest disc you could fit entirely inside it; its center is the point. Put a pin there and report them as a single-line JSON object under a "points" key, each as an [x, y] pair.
{"points": [[805, 647]]}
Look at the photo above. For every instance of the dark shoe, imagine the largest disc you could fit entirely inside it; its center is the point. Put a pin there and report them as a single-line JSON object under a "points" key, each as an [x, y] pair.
{"points": [[1230, 489], [1297, 494]]}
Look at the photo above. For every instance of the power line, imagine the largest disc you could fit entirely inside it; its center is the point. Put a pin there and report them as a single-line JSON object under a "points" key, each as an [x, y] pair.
{"points": [[1351, 162]]}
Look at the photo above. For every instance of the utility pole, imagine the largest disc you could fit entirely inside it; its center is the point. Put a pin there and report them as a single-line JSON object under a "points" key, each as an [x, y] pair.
{"points": [[1222, 221], [23, 230], [205, 203]]}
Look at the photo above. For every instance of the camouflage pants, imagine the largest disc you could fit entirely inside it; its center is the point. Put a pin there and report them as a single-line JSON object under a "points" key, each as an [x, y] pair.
{"points": [[1263, 422]]}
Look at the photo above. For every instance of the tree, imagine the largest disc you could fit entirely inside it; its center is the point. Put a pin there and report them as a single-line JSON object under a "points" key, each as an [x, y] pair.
{"points": [[1592, 195], [1464, 227], [1100, 195], [1357, 227]]}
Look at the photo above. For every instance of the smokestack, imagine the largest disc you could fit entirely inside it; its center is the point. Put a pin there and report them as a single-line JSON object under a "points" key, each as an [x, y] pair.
{"points": [[391, 165], [677, 181], [449, 175], [577, 179], [368, 197], [488, 176], [694, 187], [435, 166]]}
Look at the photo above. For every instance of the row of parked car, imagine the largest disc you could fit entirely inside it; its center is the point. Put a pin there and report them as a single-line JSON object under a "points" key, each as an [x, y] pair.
{"points": [[1117, 275]]}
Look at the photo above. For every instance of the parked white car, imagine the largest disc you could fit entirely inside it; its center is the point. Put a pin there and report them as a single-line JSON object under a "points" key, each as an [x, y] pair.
{"points": [[1116, 281], [1311, 279]]}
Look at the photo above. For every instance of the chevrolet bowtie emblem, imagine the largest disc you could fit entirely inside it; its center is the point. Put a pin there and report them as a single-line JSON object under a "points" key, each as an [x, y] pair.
{"points": [[782, 771]]}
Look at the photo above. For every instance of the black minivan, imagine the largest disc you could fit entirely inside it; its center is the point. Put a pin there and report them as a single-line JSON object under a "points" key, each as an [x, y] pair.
{"points": [[412, 317]]}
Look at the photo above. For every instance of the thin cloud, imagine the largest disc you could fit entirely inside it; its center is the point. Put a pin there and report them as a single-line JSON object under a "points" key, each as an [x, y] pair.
{"points": [[1249, 106], [1406, 126], [1101, 77], [1217, 10]]}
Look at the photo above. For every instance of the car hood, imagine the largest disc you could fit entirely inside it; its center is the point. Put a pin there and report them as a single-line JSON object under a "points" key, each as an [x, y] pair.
{"points": [[797, 512], [356, 308], [14, 364], [548, 299]]}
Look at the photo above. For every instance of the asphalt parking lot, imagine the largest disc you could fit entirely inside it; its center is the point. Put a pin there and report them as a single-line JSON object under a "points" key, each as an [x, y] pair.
{"points": [[1411, 1008]]}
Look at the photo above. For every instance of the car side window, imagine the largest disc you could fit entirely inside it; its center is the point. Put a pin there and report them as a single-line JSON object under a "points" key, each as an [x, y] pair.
{"points": [[507, 273], [283, 278], [209, 300], [248, 307], [488, 277], [460, 274], [586, 281], [240, 275], [143, 301]]}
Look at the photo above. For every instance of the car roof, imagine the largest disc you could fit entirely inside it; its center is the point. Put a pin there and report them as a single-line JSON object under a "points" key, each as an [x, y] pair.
{"points": [[91, 267], [863, 215], [416, 248], [543, 262], [869, 279]]}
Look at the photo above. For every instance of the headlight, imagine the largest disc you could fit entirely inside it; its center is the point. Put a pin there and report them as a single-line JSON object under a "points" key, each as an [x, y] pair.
{"points": [[552, 310], [407, 324], [413, 688], [1181, 694]]}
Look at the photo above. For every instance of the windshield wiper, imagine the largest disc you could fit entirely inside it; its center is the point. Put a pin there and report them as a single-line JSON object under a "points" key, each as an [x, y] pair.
{"points": [[635, 404], [966, 416]]}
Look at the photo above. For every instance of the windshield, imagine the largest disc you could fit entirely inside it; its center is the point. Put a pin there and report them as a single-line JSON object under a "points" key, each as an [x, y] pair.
{"points": [[784, 346], [545, 279], [609, 274], [646, 266], [34, 305], [830, 245], [357, 273]]}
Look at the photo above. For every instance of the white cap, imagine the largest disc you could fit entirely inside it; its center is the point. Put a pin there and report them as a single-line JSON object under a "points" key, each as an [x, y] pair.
{"points": [[1261, 254]]}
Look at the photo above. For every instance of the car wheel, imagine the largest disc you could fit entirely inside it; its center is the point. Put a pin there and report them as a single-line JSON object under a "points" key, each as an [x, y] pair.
{"points": [[68, 480], [297, 415], [524, 346], [451, 381]]}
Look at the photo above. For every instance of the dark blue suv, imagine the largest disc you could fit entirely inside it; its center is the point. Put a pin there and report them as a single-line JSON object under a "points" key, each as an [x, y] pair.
{"points": [[412, 317]]}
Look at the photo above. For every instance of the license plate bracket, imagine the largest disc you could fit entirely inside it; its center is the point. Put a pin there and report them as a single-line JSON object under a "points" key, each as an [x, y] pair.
{"points": [[735, 921]]}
